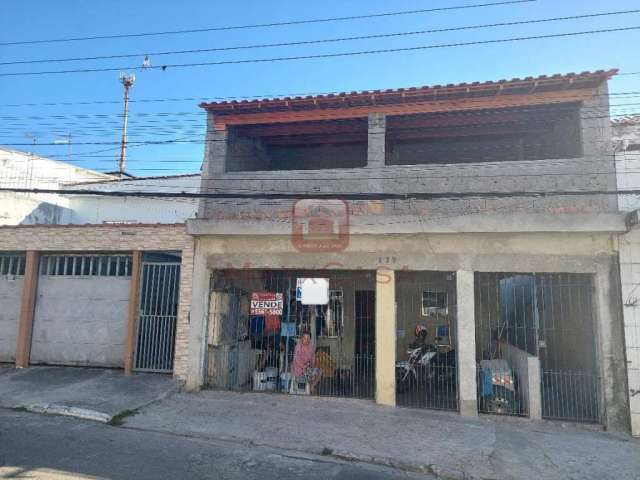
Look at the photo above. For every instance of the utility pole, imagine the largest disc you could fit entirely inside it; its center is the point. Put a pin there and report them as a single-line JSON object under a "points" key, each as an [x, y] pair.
{"points": [[127, 80]]}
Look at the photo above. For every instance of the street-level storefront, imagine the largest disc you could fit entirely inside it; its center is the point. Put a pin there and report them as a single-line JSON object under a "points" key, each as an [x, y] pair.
{"points": [[449, 292], [257, 318]]}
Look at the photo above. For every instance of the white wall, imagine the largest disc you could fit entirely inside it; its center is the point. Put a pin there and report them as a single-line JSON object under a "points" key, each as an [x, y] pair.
{"points": [[22, 170], [627, 134], [100, 209]]}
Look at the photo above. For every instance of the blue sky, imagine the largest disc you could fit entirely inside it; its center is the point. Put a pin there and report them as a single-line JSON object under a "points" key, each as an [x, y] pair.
{"points": [[40, 19]]}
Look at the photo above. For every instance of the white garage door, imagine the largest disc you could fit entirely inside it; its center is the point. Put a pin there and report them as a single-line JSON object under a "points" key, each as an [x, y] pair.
{"points": [[11, 280], [81, 310]]}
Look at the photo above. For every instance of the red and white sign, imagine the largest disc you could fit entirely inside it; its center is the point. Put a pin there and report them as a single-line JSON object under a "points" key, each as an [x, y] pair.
{"points": [[266, 303]]}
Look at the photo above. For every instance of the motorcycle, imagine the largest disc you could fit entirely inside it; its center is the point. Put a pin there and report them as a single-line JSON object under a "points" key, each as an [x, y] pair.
{"points": [[497, 387], [415, 367]]}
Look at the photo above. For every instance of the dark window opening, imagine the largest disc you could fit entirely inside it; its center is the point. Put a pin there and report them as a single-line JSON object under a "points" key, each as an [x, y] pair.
{"points": [[298, 146], [484, 136]]}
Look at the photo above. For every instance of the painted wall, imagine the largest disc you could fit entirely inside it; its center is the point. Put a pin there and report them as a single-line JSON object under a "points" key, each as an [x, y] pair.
{"points": [[10, 297], [627, 144], [118, 238], [23, 170], [630, 279], [80, 321]]}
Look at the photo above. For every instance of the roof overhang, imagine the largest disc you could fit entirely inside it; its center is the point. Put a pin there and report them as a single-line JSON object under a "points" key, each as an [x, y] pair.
{"points": [[501, 94]]}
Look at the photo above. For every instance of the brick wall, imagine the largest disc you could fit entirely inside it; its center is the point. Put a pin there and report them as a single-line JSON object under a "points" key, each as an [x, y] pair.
{"points": [[117, 238]]}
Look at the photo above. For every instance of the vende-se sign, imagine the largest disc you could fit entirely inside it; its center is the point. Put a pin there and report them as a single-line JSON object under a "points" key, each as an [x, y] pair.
{"points": [[266, 303]]}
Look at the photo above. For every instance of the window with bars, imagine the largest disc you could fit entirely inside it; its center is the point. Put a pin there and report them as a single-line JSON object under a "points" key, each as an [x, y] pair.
{"points": [[328, 318], [435, 302], [86, 265], [12, 264]]}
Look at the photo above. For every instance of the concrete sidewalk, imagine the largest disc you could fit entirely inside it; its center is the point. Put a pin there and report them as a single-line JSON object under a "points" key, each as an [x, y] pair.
{"points": [[418, 440], [89, 393]]}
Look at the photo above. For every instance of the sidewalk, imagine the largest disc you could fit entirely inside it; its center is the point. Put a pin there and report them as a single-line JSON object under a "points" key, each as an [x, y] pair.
{"points": [[419, 440], [89, 393]]}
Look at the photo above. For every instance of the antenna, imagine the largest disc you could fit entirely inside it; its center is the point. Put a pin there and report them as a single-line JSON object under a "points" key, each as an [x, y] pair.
{"points": [[127, 80]]}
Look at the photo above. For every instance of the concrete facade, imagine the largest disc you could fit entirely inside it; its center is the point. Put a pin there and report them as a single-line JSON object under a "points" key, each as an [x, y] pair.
{"points": [[115, 238], [544, 234]]}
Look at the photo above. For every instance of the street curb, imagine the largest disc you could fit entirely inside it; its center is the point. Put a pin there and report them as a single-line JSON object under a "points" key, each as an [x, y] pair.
{"points": [[74, 412], [440, 472]]}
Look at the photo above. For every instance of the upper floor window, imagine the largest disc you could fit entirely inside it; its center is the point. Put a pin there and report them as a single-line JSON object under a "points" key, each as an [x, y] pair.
{"points": [[548, 132], [298, 146]]}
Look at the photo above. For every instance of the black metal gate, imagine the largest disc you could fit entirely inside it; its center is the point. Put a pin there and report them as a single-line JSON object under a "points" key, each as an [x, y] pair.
{"points": [[426, 357], [157, 316], [256, 351], [536, 321]]}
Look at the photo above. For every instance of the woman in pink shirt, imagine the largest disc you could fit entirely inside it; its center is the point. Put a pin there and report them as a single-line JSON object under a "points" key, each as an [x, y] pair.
{"points": [[304, 359]]}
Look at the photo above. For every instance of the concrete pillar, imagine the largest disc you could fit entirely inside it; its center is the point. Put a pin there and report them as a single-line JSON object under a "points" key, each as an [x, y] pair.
{"points": [[198, 320], [597, 146], [466, 333], [385, 337], [534, 388], [27, 309], [133, 312], [376, 140], [215, 160], [610, 347]]}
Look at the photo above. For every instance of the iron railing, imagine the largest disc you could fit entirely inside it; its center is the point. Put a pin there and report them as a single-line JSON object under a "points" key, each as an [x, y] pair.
{"points": [[571, 396]]}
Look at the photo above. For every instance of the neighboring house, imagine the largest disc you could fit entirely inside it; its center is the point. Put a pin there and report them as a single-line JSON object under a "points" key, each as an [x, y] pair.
{"points": [[25, 170], [626, 139], [515, 296], [96, 209], [94, 280]]}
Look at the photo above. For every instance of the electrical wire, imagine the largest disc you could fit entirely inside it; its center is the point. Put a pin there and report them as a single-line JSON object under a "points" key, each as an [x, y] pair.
{"points": [[327, 196], [271, 24], [326, 55], [320, 41]]}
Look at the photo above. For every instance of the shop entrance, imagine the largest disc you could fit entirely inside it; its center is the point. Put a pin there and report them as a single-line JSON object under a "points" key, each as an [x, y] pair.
{"points": [[258, 318]]}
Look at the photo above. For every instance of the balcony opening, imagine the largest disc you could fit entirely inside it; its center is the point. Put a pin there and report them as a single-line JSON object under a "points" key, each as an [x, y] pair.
{"points": [[298, 146], [534, 133]]}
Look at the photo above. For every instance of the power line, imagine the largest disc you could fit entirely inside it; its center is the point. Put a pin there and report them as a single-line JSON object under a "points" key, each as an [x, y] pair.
{"points": [[268, 25], [328, 196], [326, 55], [320, 41]]}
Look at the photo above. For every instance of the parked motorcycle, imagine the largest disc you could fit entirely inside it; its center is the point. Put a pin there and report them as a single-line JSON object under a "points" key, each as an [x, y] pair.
{"points": [[415, 367], [497, 387]]}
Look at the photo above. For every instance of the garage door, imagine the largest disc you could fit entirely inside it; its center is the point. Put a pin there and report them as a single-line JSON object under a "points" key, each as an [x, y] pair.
{"points": [[81, 310], [11, 279]]}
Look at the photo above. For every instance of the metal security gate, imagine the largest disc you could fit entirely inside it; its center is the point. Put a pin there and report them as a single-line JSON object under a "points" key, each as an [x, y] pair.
{"points": [[156, 334], [426, 357], [543, 322], [257, 351], [567, 348]]}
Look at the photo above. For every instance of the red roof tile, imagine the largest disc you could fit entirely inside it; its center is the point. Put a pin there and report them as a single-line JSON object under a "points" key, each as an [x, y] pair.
{"points": [[541, 83]]}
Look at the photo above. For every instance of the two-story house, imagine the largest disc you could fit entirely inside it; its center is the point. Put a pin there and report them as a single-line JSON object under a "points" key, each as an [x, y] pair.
{"points": [[461, 235]]}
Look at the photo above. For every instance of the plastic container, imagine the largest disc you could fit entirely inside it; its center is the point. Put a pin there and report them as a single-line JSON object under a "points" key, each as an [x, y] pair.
{"points": [[263, 381], [285, 381]]}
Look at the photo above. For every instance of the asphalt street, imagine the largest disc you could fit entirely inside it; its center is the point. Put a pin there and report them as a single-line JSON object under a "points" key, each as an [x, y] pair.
{"points": [[47, 447]]}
